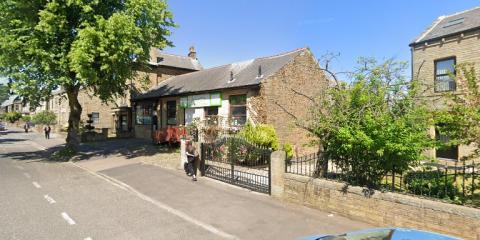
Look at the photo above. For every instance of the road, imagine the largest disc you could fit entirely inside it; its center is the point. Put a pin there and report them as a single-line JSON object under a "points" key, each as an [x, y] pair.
{"points": [[110, 198]]}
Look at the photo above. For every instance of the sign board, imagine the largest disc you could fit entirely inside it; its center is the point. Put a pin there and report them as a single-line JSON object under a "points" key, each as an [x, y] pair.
{"points": [[201, 100]]}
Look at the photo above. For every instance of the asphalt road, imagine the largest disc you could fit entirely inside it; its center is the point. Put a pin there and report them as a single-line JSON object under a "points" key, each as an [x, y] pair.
{"points": [[50, 200]]}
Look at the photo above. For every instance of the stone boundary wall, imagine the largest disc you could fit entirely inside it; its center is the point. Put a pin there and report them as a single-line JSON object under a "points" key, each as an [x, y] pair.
{"points": [[384, 209]]}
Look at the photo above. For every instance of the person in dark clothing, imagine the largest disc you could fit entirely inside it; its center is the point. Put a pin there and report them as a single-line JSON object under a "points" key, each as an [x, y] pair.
{"points": [[47, 130], [25, 127], [190, 152]]}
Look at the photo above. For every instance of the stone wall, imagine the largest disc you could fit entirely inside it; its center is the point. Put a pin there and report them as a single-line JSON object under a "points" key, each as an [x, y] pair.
{"points": [[303, 75], [382, 209]]}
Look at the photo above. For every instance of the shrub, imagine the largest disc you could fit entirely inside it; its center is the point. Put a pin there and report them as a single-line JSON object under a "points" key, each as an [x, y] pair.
{"points": [[45, 118], [431, 183], [288, 148], [26, 118], [12, 116], [63, 154], [261, 134]]}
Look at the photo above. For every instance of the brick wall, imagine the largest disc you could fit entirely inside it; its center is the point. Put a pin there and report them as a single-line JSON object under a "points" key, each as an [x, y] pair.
{"points": [[465, 49], [303, 75], [383, 209]]}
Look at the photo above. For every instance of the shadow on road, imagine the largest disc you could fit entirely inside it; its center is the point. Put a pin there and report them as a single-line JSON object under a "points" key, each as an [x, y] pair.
{"points": [[128, 148]]}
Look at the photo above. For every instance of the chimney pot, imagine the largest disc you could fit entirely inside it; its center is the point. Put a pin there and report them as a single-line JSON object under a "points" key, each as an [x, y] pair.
{"points": [[192, 53]]}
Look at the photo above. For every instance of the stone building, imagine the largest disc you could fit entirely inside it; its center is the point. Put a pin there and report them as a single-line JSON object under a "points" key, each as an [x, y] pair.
{"points": [[116, 115], [450, 40], [261, 90], [12, 104]]}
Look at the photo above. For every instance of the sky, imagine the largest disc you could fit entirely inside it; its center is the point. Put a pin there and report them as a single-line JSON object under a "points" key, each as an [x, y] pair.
{"points": [[228, 31]]}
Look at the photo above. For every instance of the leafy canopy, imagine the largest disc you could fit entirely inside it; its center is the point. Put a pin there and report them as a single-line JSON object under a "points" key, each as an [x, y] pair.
{"points": [[91, 44], [373, 125]]}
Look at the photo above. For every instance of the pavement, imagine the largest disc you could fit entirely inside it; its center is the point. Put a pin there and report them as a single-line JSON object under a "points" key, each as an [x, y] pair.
{"points": [[115, 195]]}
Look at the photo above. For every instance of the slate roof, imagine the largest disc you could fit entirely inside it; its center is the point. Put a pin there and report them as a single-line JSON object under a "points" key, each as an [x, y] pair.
{"points": [[450, 25], [176, 61], [245, 73], [11, 100]]}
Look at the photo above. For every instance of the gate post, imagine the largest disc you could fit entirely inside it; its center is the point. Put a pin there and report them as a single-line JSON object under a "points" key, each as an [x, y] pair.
{"points": [[183, 155], [277, 173], [202, 159]]}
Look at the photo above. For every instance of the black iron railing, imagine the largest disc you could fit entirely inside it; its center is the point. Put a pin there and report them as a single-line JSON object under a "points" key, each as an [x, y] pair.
{"points": [[455, 182]]}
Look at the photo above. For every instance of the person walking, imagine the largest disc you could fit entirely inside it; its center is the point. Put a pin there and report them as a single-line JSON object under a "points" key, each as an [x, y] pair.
{"points": [[190, 152], [25, 127], [47, 130]]}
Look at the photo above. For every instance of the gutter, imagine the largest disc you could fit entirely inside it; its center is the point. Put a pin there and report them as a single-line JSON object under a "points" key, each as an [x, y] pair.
{"points": [[193, 93]]}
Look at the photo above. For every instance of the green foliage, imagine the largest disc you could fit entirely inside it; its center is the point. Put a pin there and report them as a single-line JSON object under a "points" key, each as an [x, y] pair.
{"points": [[460, 119], [12, 116], [4, 92], [373, 125], [261, 134], [431, 183], [78, 44], [26, 118], [45, 118], [288, 148], [63, 154]]}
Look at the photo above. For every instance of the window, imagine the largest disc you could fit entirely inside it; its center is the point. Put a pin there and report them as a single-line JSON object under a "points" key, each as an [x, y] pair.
{"points": [[444, 69], [144, 114], [95, 117], [172, 113], [211, 114], [238, 110]]}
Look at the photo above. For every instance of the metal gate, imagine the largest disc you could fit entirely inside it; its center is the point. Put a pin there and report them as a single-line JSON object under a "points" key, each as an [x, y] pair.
{"points": [[234, 160]]}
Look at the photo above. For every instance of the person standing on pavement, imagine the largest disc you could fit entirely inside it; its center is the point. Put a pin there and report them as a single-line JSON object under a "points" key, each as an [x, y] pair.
{"points": [[190, 152], [47, 130], [25, 127]]}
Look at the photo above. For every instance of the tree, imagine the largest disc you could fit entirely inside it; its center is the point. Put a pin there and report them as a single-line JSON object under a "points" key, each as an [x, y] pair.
{"points": [[45, 118], [4, 93], [373, 125], [460, 119], [78, 44], [12, 116]]}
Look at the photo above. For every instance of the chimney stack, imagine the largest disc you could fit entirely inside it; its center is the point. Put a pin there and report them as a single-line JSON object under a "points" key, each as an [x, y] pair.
{"points": [[192, 53]]}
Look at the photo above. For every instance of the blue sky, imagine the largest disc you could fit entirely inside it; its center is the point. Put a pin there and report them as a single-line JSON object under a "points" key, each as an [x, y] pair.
{"points": [[228, 31]]}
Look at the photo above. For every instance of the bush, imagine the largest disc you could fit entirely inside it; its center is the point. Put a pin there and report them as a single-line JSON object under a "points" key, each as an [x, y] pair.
{"points": [[63, 154], [431, 183], [26, 118], [288, 148], [45, 118], [261, 134], [12, 116]]}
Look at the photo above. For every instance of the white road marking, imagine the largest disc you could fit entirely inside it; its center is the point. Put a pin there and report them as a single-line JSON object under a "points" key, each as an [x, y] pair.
{"points": [[49, 199], [27, 175], [20, 167], [36, 185], [68, 218], [161, 205], [88, 238]]}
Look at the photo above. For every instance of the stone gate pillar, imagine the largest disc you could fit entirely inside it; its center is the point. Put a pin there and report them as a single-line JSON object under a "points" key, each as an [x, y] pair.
{"points": [[277, 168]]}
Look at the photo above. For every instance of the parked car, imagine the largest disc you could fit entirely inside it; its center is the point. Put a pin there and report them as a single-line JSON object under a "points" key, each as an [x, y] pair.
{"points": [[385, 234], [2, 127]]}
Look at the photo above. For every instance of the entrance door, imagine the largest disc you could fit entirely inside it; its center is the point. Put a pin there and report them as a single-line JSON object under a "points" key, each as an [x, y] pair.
{"points": [[450, 152]]}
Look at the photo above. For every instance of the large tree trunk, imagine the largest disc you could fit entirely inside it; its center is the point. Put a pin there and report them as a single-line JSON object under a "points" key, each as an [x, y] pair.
{"points": [[73, 138]]}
